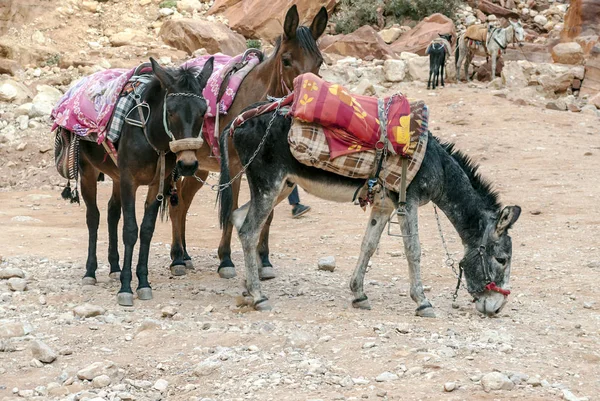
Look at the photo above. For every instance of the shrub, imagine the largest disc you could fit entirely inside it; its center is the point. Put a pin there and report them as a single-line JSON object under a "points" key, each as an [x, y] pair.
{"points": [[419, 9], [168, 4], [353, 14], [253, 44]]}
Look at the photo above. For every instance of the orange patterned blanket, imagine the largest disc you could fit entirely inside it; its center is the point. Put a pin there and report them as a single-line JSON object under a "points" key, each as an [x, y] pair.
{"points": [[350, 122]]}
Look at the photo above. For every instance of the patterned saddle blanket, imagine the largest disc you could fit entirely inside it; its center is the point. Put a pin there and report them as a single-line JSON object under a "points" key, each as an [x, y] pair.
{"points": [[309, 145], [352, 123]]}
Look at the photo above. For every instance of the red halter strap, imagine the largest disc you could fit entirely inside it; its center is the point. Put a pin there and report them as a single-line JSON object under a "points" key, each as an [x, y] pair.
{"points": [[492, 287]]}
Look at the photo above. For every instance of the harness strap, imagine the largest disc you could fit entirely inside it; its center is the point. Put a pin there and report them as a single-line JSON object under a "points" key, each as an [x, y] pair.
{"points": [[161, 183]]}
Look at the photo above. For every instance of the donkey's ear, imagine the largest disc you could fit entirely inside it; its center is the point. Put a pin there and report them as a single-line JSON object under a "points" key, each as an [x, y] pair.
{"points": [[166, 80], [508, 217], [206, 72], [292, 20], [319, 23]]}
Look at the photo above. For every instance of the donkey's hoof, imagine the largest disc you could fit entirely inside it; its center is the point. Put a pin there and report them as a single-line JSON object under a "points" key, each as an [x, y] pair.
{"points": [[116, 276], [88, 281], [263, 306], [227, 272], [145, 294], [178, 270], [426, 312], [125, 299], [266, 273], [362, 304], [189, 264]]}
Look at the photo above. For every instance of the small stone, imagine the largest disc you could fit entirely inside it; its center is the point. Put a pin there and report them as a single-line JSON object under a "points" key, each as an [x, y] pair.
{"points": [[101, 381], [588, 305], [449, 386], [42, 352], [496, 381], [168, 311], [21, 146], [369, 345], [206, 368], [569, 396], [36, 363], [17, 284], [12, 329], [161, 385], [11, 272], [88, 310], [327, 263], [96, 369], [386, 377]]}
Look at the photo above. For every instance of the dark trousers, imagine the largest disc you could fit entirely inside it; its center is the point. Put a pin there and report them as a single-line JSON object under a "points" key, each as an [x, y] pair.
{"points": [[294, 197]]}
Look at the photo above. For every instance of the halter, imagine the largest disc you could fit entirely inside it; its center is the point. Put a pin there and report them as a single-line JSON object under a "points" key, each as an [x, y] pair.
{"points": [[166, 121]]}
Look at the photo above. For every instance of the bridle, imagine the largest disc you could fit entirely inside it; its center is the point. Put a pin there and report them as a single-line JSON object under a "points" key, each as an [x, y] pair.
{"points": [[177, 145]]}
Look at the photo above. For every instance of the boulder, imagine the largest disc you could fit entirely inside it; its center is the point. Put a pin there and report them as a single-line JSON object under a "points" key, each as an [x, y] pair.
{"points": [[582, 19], [264, 19], [190, 35], [513, 75], [567, 53], [13, 91], [595, 100], [418, 68], [395, 70], [364, 43], [9, 67], [44, 101], [390, 35], [127, 37], [417, 39], [483, 73], [591, 84], [490, 8]]}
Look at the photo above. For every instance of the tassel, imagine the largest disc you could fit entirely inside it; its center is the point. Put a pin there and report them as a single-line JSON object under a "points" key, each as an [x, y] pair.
{"points": [[75, 197], [174, 199], [101, 177], [66, 193]]}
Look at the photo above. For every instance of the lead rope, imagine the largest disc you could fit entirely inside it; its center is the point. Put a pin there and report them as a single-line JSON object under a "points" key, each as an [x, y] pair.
{"points": [[450, 262]]}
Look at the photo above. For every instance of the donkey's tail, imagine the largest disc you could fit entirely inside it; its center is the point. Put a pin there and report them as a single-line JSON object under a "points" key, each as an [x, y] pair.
{"points": [[225, 195], [457, 52]]}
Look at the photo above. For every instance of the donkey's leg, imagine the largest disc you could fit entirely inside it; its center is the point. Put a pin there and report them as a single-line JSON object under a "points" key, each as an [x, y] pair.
{"points": [[412, 247], [130, 235], [469, 59], [266, 271], [113, 217], [430, 74], [226, 267], [494, 65], [377, 221], [442, 68], [461, 57], [256, 214], [186, 191], [89, 189], [144, 291]]}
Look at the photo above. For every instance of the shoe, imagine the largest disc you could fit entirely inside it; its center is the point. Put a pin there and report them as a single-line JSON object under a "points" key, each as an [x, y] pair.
{"points": [[299, 210]]}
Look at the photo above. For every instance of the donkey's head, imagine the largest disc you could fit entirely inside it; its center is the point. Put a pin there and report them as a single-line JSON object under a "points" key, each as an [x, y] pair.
{"points": [[447, 36], [183, 110], [296, 50], [487, 260], [519, 32]]}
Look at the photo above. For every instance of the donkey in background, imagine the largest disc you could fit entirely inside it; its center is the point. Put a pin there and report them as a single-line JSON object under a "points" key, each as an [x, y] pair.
{"points": [[438, 50], [496, 42]]}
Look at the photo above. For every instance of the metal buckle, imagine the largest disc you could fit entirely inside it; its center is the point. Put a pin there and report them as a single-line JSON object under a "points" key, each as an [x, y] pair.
{"points": [[134, 122]]}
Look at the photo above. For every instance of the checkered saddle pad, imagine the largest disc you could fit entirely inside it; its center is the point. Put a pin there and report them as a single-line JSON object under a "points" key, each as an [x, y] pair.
{"points": [[309, 146]]}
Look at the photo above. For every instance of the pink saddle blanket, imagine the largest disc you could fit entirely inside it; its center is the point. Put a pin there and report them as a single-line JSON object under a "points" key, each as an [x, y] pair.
{"points": [[88, 106]]}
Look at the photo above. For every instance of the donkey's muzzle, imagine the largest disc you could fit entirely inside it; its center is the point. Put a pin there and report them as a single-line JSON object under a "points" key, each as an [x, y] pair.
{"points": [[187, 169], [186, 144]]}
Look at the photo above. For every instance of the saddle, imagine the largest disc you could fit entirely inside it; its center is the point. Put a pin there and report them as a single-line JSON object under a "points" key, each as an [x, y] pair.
{"points": [[353, 123], [477, 33]]}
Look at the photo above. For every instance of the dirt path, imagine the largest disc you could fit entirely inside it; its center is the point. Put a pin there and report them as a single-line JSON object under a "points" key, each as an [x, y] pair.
{"points": [[314, 345]]}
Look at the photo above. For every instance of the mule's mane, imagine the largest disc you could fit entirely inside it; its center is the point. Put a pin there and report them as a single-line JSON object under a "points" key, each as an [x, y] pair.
{"points": [[185, 79], [306, 41], [482, 186]]}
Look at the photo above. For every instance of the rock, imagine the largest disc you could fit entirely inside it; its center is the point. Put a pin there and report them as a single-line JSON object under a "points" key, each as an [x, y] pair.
{"points": [[97, 369], [88, 310], [14, 92], [362, 43], [557, 104], [264, 19], [513, 75], [189, 5], [327, 263], [394, 70], [17, 284], [569, 396], [390, 35], [581, 19], [490, 8], [148, 324], [470, 20], [534, 381], [366, 88], [91, 6], [23, 122], [386, 377], [161, 385], [12, 329], [206, 368], [417, 39], [42, 352], [588, 305], [11, 272], [21, 146], [418, 68], [168, 311], [496, 381], [540, 20], [101, 381], [127, 37], [449, 386], [43, 103], [10, 67], [595, 100], [165, 12], [190, 35], [567, 53]]}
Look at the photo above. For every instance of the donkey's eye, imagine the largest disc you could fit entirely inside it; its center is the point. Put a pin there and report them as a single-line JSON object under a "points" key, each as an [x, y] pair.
{"points": [[502, 261], [287, 62]]}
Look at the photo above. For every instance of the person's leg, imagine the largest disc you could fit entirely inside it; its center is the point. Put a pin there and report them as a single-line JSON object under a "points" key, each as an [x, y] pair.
{"points": [[294, 197], [298, 209]]}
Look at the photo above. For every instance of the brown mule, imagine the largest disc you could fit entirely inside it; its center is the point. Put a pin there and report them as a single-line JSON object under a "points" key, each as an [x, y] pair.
{"points": [[296, 52]]}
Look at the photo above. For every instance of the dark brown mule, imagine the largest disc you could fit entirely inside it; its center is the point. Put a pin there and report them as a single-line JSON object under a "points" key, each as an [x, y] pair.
{"points": [[296, 52]]}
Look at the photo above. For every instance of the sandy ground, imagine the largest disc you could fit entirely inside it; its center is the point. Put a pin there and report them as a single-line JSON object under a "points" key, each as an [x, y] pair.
{"points": [[314, 345]]}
